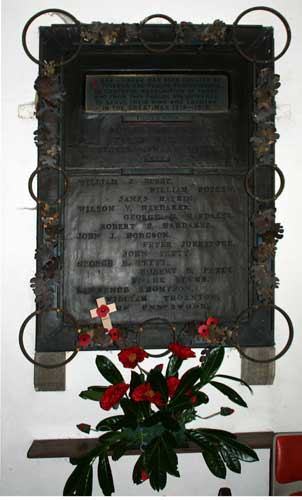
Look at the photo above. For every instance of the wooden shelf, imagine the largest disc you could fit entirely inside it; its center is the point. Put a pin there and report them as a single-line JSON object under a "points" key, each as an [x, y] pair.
{"points": [[75, 448]]}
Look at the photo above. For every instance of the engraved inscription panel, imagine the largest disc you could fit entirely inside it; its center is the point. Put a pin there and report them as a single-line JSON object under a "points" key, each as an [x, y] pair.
{"points": [[169, 246], [156, 93]]}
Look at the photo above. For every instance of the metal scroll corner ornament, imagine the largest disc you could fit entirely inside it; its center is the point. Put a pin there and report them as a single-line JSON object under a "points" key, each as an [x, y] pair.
{"points": [[50, 97]]}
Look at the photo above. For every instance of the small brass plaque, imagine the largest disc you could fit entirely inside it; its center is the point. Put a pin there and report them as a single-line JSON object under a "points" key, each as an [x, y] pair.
{"points": [[157, 93]]}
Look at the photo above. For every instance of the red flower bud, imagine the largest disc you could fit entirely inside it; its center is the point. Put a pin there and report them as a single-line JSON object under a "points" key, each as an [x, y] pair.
{"points": [[212, 321], [225, 411], [172, 383], [203, 330], [144, 475], [84, 428], [84, 339], [102, 311]]}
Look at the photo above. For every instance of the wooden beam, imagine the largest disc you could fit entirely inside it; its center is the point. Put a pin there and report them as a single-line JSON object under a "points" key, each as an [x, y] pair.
{"points": [[75, 448]]}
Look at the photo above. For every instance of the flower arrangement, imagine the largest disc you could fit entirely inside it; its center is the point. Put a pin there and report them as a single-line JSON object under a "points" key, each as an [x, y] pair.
{"points": [[156, 407]]}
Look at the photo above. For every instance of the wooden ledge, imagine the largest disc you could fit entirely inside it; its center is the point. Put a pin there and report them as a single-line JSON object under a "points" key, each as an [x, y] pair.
{"points": [[75, 448]]}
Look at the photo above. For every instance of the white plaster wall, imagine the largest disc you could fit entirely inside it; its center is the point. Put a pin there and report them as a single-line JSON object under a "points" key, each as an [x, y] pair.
{"points": [[27, 415]]}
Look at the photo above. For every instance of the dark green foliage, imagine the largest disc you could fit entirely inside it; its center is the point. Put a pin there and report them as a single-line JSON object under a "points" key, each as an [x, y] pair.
{"points": [[108, 370], [137, 470], [111, 423], [158, 383], [236, 379], [212, 364], [79, 482], [160, 459], [214, 462], [230, 393], [136, 379], [93, 393], [173, 366], [105, 475], [159, 431]]}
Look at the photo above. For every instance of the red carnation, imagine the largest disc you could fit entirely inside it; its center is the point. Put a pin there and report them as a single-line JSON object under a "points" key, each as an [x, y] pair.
{"points": [[182, 351], [132, 356], [114, 334], [84, 339], [203, 330], [144, 475], [172, 383], [113, 395], [212, 321], [144, 392]]}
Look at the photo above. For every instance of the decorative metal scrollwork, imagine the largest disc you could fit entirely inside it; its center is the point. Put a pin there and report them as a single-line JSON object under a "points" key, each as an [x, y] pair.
{"points": [[40, 312], [47, 137]]}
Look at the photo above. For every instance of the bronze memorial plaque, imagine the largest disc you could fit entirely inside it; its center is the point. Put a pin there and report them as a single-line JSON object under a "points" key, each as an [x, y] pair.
{"points": [[153, 212]]}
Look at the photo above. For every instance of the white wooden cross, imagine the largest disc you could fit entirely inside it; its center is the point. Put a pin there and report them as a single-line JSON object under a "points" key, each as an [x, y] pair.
{"points": [[97, 313]]}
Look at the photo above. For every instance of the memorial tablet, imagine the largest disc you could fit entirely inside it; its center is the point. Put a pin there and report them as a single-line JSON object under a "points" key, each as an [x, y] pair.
{"points": [[156, 148]]}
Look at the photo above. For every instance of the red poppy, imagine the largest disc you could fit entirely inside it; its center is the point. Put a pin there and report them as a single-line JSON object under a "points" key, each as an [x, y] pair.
{"points": [[144, 392], [182, 351], [172, 383], [84, 339], [102, 311], [203, 330], [113, 395], [84, 428], [114, 334], [144, 475], [211, 321], [132, 356]]}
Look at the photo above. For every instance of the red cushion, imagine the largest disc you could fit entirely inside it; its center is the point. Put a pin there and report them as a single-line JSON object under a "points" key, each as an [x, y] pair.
{"points": [[297, 494], [289, 458]]}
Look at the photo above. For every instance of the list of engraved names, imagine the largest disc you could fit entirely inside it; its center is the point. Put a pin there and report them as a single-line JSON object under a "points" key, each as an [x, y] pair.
{"points": [[168, 246]]}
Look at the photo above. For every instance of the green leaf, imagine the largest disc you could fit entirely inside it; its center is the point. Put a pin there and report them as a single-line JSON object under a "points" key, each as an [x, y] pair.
{"points": [[158, 383], [79, 482], [158, 480], [131, 410], [186, 382], [137, 470], [212, 364], [230, 393], [242, 451], [136, 379], [231, 460], [202, 398], [173, 366], [118, 449], [108, 370], [105, 475], [236, 380], [216, 434], [169, 422], [214, 463], [199, 438], [111, 423], [161, 457], [227, 440], [93, 394]]}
